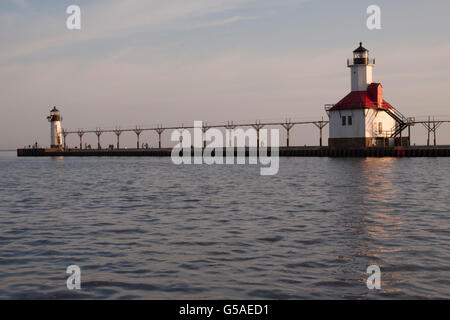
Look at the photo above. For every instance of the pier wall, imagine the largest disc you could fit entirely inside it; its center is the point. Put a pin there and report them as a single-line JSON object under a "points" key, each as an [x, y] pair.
{"points": [[417, 151]]}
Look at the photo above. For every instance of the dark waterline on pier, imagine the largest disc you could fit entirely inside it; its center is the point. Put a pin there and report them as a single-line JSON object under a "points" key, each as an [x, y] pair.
{"points": [[413, 151], [145, 228]]}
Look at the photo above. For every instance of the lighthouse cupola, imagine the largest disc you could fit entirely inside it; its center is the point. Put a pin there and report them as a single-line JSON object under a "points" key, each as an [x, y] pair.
{"points": [[361, 69], [361, 55], [55, 128]]}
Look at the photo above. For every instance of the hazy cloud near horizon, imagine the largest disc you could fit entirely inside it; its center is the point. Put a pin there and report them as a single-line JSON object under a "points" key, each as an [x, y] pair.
{"points": [[148, 62]]}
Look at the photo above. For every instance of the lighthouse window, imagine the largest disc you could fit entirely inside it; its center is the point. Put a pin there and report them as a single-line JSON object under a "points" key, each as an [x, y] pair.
{"points": [[344, 120], [350, 121], [360, 55]]}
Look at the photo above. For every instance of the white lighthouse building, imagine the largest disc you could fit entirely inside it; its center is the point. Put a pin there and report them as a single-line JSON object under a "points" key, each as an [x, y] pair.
{"points": [[55, 128], [363, 118]]}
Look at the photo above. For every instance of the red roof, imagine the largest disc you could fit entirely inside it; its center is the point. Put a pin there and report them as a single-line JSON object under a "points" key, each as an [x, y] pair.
{"points": [[359, 100]]}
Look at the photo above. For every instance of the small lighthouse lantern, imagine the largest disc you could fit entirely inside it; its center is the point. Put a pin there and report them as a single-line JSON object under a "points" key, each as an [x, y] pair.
{"points": [[55, 128], [361, 55]]}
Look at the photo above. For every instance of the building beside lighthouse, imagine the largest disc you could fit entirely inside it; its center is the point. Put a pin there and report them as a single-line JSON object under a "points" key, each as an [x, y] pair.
{"points": [[55, 128], [363, 118]]}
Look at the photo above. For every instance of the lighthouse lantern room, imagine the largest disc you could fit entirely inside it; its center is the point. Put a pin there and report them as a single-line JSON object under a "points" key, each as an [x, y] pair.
{"points": [[363, 118], [55, 128]]}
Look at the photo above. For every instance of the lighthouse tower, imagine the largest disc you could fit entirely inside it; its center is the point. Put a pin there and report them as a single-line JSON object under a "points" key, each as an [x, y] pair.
{"points": [[361, 69], [55, 128], [362, 118]]}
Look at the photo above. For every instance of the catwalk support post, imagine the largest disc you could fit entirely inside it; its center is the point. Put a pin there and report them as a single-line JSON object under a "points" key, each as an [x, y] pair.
{"points": [[257, 126], [321, 124], [288, 126], [98, 133], [138, 132], [65, 134], [118, 132], [80, 134], [159, 130]]}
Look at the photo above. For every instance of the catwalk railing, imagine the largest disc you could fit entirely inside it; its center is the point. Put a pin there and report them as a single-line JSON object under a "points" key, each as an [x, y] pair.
{"points": [[431, 124], [159, 129]]}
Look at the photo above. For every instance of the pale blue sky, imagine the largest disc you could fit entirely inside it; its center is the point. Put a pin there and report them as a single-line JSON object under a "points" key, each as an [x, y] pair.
{"points": [[147, 62]]}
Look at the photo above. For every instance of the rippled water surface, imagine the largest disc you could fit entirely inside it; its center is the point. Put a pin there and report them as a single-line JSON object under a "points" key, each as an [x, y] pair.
{"points": [[145, 228]]}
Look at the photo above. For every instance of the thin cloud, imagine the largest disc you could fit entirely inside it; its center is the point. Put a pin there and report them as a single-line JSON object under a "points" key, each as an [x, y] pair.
{"points": [[222, 22], [120, 18]]}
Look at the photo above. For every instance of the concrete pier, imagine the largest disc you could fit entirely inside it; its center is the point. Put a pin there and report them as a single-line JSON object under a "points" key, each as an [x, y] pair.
{"points": [[416, 151]]}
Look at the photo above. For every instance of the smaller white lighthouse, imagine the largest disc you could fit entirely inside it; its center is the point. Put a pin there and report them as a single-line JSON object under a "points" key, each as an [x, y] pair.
{"points": [[55, 128]]}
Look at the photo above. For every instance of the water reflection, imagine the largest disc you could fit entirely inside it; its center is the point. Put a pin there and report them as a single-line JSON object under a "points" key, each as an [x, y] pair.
{"points": [[368, 225]]}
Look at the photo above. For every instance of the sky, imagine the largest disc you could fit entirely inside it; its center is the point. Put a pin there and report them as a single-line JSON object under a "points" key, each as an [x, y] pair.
{"points": [[172, 62]]}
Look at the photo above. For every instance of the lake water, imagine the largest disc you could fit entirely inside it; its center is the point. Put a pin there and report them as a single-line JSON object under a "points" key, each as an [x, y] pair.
{"points": [[145, 228]]}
